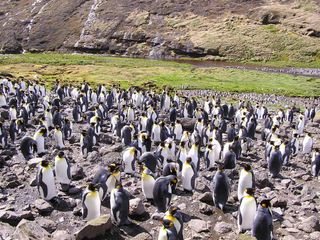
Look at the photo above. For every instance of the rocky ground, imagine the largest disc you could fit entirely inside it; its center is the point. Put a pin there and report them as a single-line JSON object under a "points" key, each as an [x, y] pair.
{"points": [[24, 216], [221, 29]]}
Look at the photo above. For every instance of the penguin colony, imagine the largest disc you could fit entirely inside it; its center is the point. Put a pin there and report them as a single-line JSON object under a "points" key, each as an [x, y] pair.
{"points": [[163, 155]]}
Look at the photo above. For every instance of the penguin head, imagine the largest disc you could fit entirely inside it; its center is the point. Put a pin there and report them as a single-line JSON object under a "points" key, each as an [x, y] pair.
{"points": [[209, 146], [42, 131], [118, 185], [113, 168], [188, 160], [57, 127], [61, 154], [249, 191], [44, 163], [92, 187], [266, 203], [173, 181], [246, 167], [172, 210]]}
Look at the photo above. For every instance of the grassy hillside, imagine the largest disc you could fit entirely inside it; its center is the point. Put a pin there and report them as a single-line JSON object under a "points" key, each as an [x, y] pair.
{"points": [[128, 72]]}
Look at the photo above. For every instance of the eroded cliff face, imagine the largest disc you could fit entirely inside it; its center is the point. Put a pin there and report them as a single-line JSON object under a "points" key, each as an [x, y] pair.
{"points": [[223, 29]]}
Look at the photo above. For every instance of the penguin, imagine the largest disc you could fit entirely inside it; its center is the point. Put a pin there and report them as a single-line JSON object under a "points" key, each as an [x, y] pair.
{"points": [[76, 113], [194, 155], [85, 147], [262, 228], [307, 144], [178, 130], [39, 138], [294, 144], [107, 180], [285, 150], [182, 155], [275, 162], [176, 218], [150, 160], [91, 203], [155, 133], [126, 135], [315, 163], [67, 128], [13, 113], [247, 210], [171, 168], [167, 231], [45, 181], [147, 182], [3, 136], [162, 192], [229, 159], [246, 179], [58, 137], [3, 101], [28, 147], [129, 158], [62, 170], [188, 175], [221, 188], [119, 205]]}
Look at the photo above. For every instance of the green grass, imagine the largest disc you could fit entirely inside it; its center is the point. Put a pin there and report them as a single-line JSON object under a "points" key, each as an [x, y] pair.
{"points": [[128, 72]]}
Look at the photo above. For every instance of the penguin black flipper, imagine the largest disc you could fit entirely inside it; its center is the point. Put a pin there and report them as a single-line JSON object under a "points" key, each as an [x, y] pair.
{"points": [[85, 209], [253, 180], [133, 162], [239, 213], [207, 159], [195, 174], [42, 185], [68, 170]]}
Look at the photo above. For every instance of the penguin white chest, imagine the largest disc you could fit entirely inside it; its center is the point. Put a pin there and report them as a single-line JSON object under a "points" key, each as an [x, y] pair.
{"points": [[247, 210], [127, 160], [48, 180], [93, 204], [187, 174], [147, 186], [61, 168], [245, 181]]}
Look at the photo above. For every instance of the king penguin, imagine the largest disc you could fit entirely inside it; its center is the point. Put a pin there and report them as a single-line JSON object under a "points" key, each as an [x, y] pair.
{"points": [[262, 224], [221, 188], [147, 182], [28, 147], [275, 162], [175, 216], [91, 204], [189, 174], [119, 205], [162, 192], [167, 231], [39, 138], [129, 158], [307, 144], [45, 181], [63, 171], [246, 179], [58, 137], [247, 210], [315, 163]]}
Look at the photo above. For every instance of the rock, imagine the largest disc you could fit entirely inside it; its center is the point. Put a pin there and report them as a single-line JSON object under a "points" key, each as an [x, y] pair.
{"points": [[262, 180], [13, 217], [47, 224], [142, 236], [95, 228], [10, 181], [6, 230], [136, 207], [4, 114], [43, 206], [205, 209], [74, 190], [309, 224], [77, 173], [61, 235], [223, 227], [285, 182], [93, 157], [198, 225], [157, 216], [206, 198], [280, 202], [315, 235], [27, 230]]}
